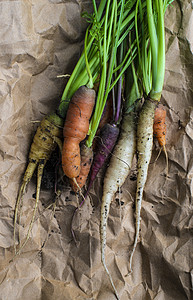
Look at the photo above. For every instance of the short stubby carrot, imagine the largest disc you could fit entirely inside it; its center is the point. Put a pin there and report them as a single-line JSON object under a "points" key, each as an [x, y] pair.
{"points": [[76, 128], [159, 126], [159, 130]]}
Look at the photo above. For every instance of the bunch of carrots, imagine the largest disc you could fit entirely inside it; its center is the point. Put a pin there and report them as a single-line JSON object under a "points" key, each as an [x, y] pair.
{"points": [[123, 59]]}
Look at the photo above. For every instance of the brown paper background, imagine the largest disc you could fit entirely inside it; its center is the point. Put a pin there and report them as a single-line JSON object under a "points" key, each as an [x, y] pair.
{"points": [[38, 41]]}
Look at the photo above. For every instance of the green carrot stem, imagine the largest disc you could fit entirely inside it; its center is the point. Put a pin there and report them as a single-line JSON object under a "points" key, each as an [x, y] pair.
{"points": [[161, 50], [79, 66], [96, 53], [157, 41], [153, 41], [105, 88], [90, 84]]}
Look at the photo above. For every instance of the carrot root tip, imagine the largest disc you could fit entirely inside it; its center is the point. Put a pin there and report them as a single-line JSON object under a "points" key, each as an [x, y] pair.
{"points": [[167, 163]]}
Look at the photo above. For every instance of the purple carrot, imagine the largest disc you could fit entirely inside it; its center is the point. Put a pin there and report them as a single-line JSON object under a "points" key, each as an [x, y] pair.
{"points": [[107, 140], [108, 137]]}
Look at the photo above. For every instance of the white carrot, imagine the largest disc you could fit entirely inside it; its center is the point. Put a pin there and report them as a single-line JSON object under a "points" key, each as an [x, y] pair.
{"points": [[144, 149], [115, 176]]}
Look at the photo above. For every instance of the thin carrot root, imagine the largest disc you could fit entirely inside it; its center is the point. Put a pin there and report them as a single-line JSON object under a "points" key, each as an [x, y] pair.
{"points": [[110, 278], [167, 163], [46, 139], [27, 177], [160, 150], [144, 148], [166, 156], [104, 215], [78, 187]]}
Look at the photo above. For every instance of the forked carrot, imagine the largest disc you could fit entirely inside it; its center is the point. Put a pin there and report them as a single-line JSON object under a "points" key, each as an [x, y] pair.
{"points": [[75, 129], [48, 135]]}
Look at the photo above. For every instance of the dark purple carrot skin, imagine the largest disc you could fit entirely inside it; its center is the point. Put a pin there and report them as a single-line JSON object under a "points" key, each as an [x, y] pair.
{"points": [[108, 137]]}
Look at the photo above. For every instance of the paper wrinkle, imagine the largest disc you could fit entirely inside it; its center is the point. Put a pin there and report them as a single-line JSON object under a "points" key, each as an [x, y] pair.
{"points": [[24, 273], [38, 41]]}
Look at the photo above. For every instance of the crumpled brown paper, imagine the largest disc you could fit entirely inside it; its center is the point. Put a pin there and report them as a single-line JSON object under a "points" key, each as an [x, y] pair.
{"points": [[40, 40]]}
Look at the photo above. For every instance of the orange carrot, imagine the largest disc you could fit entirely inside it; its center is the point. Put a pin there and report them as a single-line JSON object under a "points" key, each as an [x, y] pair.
{"points": [[159, 128], [76, 128], [86, 161]]}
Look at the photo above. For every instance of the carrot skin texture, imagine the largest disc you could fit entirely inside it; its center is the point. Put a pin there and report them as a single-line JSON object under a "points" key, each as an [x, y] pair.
{"points": [[144, 150], [107, 140], [76, 128], [122, 157], [44, 141], [159, 126], [116, 174], [47, 136], [86, 162]]}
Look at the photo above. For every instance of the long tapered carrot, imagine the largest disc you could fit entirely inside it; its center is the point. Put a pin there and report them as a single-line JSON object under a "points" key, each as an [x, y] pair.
{"points": [[144, 150], [151, 54], [115, 176]]}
